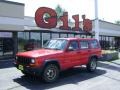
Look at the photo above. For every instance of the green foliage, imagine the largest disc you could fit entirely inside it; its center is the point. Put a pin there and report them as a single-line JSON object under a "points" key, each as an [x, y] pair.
{"points": [[109, 55], [59, 11], [108, 51], [117, 22], [46, 16]]}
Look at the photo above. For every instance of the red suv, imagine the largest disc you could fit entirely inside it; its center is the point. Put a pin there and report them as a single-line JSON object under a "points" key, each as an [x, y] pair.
{"points": [[58, 55]]}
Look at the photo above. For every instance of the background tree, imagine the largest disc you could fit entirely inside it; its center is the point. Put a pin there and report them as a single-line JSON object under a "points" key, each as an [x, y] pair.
{"points": [[117, 22], [59, 11], [46, 16]]}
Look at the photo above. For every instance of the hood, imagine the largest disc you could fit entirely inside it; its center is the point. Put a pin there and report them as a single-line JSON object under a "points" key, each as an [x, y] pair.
{"points": [[39, 53]]}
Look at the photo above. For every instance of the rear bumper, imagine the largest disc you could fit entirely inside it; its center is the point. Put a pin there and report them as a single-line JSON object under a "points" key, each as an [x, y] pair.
{"points": [[30, 70]]}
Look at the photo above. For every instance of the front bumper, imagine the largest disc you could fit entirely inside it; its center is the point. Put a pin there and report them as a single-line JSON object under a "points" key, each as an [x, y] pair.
{"points": [[29, 70]]}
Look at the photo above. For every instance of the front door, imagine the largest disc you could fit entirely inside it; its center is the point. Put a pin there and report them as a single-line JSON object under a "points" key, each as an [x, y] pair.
{"points": [[71, 54]]}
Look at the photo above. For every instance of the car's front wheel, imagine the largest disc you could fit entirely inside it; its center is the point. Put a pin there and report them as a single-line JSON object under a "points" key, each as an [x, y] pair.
{"points": [[91, 66], [50, 73]]}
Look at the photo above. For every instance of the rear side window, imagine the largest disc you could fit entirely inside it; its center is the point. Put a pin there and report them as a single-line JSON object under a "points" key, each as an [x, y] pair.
{"points": [[94, 44], [84, 45]]}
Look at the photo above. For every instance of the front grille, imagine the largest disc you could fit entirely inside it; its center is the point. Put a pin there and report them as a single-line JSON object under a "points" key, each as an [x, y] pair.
{"points": [[24, 60]]}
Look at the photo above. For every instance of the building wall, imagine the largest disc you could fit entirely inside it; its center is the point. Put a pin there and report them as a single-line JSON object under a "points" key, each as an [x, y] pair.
{"points": [[11, 10], [11, 16], [108, 25], [107, 28], [110, 32], [11, 21]]}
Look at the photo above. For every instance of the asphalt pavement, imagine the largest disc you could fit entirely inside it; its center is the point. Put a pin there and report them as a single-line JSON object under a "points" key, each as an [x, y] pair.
{"points": [[107, 77]]}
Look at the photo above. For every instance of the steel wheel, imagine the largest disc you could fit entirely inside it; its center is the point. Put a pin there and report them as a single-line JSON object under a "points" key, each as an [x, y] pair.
{"points": [[91, 66], [50, 73]]}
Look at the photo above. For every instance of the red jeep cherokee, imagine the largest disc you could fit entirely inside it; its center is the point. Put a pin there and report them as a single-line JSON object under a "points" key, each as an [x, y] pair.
{"points": [[58, 55]]}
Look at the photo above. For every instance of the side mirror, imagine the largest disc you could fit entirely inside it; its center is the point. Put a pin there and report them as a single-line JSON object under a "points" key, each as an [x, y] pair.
{"points": [[70, 49]]}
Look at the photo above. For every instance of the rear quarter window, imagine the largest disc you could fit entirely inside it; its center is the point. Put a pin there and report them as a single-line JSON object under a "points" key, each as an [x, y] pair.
{"points": [[94, 44]]}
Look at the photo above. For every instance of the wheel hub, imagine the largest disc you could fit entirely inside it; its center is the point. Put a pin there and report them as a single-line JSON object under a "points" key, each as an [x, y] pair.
{"points": [[93, 65], [51, 73]]}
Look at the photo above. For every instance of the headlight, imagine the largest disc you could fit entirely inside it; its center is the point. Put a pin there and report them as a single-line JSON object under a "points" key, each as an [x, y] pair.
{"points": [[16, 57], [32, 60]]}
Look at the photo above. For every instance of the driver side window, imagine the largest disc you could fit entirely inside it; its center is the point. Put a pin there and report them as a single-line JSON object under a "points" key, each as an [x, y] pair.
{"points": [[73, 45]]}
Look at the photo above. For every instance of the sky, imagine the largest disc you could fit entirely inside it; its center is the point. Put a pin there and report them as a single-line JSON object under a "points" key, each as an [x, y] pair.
{"points": [[108, 10]]}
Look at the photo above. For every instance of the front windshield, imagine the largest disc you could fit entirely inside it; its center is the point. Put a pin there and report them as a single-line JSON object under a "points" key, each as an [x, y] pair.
{"points": [[57, 44]]}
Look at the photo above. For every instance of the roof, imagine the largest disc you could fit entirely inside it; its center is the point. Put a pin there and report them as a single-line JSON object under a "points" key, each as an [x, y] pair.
{"points": [[77, 38], [11, 2], [109, 22]]}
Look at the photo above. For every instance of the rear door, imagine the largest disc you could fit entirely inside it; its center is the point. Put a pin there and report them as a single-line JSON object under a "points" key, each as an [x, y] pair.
{"points": [[84, 51]]}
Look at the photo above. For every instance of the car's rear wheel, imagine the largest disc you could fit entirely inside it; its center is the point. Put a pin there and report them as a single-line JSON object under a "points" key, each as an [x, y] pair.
{"points": [[91, 66], [50, 73]]}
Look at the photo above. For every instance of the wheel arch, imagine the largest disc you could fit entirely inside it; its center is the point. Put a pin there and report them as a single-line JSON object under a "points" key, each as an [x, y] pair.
{"points": [[93, 56], [46, 62], [89, 68]]}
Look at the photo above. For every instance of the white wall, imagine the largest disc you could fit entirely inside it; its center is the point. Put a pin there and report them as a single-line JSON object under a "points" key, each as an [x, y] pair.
{"points": [[11, 16], [110, 32], [11, 10]]}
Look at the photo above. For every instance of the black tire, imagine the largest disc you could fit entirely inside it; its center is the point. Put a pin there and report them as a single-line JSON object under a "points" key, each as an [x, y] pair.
{"points": [[91, 66], [50, 73]]}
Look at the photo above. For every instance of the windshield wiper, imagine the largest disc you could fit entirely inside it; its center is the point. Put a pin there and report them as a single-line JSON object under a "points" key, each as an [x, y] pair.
{"points": [[56, 49], [52, 48]]}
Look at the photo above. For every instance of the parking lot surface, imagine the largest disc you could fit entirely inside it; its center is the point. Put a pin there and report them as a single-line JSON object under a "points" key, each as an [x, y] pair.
{"points": [[107, 77]]}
